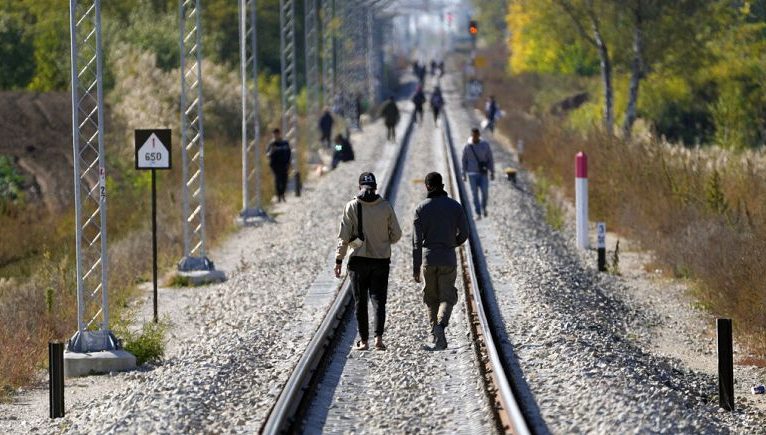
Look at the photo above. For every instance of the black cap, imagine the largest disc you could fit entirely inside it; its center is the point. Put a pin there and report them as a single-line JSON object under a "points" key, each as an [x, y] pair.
{"points": [[434, 179], [368, 179]]}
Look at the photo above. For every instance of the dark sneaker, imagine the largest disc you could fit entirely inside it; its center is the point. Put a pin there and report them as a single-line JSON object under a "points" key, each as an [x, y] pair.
{"points": [[485, 213], [441, 339]]}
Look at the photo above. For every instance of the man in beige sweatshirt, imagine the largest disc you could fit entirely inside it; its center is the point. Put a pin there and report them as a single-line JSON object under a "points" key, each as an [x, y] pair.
{"points": [[369, 227]]}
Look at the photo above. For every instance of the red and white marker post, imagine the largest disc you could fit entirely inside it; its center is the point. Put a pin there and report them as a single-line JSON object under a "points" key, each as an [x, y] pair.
{"points": [[581, 199]]}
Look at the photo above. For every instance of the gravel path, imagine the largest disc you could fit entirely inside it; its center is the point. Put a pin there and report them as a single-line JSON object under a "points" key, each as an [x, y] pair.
{"points": [[236, 341], [583, 346], [406, 388]]}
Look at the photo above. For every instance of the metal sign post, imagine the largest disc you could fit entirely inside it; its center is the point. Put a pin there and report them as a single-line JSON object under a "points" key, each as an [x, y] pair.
{"points": [[194, 265], [252, 213], [601, 245], [152, 153]]}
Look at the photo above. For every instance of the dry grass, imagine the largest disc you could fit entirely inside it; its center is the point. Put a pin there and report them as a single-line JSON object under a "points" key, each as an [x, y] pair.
{"points": [[39, 303], [702, 211]]}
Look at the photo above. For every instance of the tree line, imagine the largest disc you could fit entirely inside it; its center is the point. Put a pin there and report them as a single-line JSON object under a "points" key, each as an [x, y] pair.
{"points": [[34, 37], [695, 70]]}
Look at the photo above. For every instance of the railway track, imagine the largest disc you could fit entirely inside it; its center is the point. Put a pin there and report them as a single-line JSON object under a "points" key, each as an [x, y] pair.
{"points": [[305, 382]]}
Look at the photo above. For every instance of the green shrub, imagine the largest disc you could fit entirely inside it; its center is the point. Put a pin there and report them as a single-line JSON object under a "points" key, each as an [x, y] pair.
{"points": [[148, 346]]}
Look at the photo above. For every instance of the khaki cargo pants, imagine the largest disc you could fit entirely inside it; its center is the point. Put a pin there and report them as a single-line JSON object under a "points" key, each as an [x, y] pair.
{"points": [[439, 293]]}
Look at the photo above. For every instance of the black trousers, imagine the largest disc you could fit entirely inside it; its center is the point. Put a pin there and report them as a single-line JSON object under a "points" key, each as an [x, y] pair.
{"points": [[325, 139], [419, 113], [391, 132], [280, 180], [436, 111], [369, 278]]}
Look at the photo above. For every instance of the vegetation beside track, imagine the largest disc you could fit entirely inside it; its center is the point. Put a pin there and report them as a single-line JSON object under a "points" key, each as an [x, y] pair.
{"points": [[37, 288], [702, 211], [681, 85]]}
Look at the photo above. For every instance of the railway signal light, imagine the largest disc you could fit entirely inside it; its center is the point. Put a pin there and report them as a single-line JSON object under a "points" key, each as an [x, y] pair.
{"points": [[473, 28]]}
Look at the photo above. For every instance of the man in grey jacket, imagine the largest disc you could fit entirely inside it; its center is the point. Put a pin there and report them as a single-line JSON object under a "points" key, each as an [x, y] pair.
{"points": [[370, 239], [440, 226], [477, 164]]}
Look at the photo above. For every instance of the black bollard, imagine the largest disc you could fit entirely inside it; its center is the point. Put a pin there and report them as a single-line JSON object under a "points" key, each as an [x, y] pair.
{"points": [[56, 377], [725, 365], [601, 245]]}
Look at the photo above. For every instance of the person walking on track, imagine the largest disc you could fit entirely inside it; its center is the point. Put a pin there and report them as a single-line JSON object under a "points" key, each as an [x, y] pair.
{"points": [[419, 99], [370, 227], [437, 102], [491, 112], [390, 115], [325, 127], [477, 164], [279, 155], [440, 226]]}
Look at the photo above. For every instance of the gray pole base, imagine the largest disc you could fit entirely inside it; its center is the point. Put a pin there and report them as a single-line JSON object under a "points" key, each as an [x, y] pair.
{"points": [[252, 217], [199, 271], [95, 352]]}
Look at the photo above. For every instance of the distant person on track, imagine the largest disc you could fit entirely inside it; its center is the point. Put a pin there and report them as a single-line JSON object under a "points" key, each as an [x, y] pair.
{"points": [[421, 74], [419, 99], [279, 155], [477, 164], [437, 102], [326, 122], [439, 227], [343, 151], [491, 113], [370, 227], [390, 115]]}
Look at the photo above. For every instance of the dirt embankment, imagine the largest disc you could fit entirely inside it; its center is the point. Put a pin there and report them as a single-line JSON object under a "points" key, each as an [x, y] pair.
{"points": [[36, 132]]}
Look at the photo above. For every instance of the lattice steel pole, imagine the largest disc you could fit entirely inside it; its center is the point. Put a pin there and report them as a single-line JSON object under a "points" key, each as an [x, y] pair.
{"points": [[312, 68], [89, 178], [251, 213], [373, 78], [328, 52], [289, 85], [195, 259]]}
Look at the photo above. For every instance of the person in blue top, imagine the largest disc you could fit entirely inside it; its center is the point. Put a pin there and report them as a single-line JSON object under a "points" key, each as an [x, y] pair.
{"points": [[478, 165]]}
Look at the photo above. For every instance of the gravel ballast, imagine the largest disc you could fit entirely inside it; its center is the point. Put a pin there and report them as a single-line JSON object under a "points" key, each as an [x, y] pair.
{"points": [[408, 387], [583, 346], [240, 338]]}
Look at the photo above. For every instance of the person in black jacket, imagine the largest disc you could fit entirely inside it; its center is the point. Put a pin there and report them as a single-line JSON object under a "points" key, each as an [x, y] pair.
{"points": [[390, 115], [279, 155], [325, 127], [439, 227], [437, 102], [419, 99]]}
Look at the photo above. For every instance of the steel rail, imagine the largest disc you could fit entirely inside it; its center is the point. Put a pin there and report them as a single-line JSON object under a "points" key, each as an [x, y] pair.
{"points": [[283, 413], [510, 406]]}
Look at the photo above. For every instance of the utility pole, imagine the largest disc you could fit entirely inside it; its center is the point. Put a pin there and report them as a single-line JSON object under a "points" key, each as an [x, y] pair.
{"points": [[311, 29], [88, 347], [328, 52], [289, 85], [195, 265], [252, 213]]}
